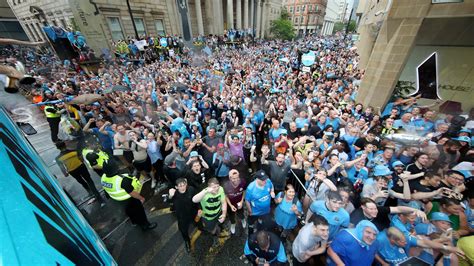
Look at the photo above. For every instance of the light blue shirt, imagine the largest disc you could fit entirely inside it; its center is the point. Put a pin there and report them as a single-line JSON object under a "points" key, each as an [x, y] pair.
{"points": [[337, 220], [284, 216]]}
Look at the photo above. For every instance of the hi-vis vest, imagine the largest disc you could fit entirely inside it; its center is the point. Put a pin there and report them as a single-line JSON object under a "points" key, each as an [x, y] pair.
{"points": [[103, 157], [113, 186], [51, 114]]}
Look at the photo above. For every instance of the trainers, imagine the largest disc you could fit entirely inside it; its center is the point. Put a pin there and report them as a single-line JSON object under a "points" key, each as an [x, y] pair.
{"points": [[149, 226], [232, 228], [153, 183], [244, 223]]}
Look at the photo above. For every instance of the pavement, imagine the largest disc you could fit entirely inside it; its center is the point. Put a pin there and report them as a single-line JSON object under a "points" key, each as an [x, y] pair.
{"points": [[128, 245]]}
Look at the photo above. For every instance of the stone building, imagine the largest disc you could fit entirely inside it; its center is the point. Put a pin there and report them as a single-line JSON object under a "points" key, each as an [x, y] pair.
{"points": [[397, 36], [9, 25], [307, 15], [104, 21]]}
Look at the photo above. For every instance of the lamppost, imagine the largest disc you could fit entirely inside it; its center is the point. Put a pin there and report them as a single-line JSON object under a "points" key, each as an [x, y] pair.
{"points": [[254, 28], [133, 20]]}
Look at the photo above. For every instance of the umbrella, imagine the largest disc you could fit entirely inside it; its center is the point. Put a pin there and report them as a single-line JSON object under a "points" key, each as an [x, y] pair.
{"points": [[120, 88], [87, 98]]}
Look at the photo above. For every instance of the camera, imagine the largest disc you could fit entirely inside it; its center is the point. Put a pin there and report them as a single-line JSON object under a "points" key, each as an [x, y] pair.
{"points": [[165, 197]]}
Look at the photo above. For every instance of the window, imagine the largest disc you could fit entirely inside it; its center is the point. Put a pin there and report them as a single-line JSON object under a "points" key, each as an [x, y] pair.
{"points": [[316, 8], [303, 8], [115, 28], [310, 8], [291, 9], [160, 29], [297, 9], [140, 26]]}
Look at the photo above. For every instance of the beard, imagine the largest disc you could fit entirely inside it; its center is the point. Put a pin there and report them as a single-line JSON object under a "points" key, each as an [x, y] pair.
{"points": [[451, 151]]}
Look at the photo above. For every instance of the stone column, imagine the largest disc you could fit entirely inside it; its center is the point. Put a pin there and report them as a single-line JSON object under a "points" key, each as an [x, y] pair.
{"points": [[246, 14], [200, 25], [259, 18], [216, 19], [230, 14], [264, 19], [238, 13], [209, 17], [252, 12]]}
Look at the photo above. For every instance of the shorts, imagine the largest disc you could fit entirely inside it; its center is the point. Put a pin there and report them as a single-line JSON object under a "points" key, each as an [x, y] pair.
{"points": [[143, 165], [210, 225]]}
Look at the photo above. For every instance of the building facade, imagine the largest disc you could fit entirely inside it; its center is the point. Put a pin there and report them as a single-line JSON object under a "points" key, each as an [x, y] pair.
{"points": [[105, 21], [342, 6], [307, 15], [331, 17], [397, 36], [9, 25]]}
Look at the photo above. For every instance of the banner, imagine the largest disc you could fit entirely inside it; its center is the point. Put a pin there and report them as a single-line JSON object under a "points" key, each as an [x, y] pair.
{"points": [[90, 23], [308, 59]]}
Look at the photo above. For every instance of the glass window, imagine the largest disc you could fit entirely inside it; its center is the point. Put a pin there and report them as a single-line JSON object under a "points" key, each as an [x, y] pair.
{"points": [[297, 9], [160, 29], [115, 28], [303, 8], [291, 9], [140, 26]]}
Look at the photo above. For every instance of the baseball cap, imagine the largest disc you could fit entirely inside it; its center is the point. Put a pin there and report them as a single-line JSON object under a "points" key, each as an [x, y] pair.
{"points": [[381, 170], [397, 163], [194, 154], [194, 109], [283, 132], [261, 175], [465, 130], [220, 145], [439, 216]]}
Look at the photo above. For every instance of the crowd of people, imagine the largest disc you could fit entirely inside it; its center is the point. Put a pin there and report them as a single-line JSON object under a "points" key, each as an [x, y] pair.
{"points": [[243, 139]]}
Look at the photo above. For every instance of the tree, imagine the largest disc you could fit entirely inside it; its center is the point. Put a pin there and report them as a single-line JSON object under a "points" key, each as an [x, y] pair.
{"points": [[282, 28], [340, 26]]}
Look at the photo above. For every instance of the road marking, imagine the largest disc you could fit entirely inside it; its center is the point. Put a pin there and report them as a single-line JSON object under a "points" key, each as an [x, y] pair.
{"points": [[194, 237], [210, 256], [159, 244], [160, 212]]}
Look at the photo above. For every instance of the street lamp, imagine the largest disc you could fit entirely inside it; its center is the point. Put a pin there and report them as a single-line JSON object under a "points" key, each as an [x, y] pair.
{"points": [[133, 20]]}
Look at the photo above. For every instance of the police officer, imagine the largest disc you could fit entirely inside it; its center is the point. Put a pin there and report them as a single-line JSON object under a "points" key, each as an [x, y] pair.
{"points": [[265, 248], [71, 164], [53, 116], [125, 189], [96, 159]]}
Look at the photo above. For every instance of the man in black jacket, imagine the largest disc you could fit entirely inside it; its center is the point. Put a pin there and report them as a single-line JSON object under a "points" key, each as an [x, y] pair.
{"points": [[186, 209], [265, 248]]}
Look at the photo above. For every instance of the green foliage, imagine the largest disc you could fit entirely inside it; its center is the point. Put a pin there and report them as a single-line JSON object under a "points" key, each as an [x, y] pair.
{"points": [[282, 28], [340, 26]]}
